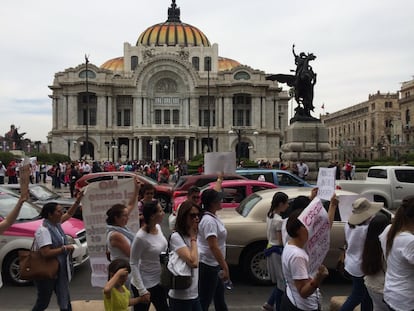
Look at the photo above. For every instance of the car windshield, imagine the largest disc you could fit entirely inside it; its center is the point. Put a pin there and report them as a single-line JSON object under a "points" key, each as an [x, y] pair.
{"points": [[247, 204], [27, 211], [43, 193], [148, 179]]}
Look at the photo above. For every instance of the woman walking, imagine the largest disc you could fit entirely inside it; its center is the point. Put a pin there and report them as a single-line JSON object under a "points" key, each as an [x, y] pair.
{"points": [[51, 241], [212, 250], [399, 252], [148, 243], [274, 249], [184, 243]]}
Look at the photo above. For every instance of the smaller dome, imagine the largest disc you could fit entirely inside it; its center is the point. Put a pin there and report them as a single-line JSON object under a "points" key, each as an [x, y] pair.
{"points": [[227, 63], [114, 64]]}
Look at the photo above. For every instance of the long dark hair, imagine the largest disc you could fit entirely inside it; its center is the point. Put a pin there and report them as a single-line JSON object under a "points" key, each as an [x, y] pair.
{"points": [[117, 264], [403, 217], [372, 255], [149, 209], [278, 198], [181, 225]]}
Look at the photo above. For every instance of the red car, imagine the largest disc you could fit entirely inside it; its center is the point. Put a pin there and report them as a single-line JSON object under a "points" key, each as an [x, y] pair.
{"points": [[234, 192], [163, 192]]}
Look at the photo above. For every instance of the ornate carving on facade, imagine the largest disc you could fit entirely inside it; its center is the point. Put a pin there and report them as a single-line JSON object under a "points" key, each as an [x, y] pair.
{"points": [[166, 85]]}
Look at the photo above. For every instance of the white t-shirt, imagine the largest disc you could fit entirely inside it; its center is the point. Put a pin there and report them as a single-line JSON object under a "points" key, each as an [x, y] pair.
{"points": [[274, 225], [295, 264], [177, 243], [211, 225], [399, 277], [145, 259], [355, 239], [115, 252]]}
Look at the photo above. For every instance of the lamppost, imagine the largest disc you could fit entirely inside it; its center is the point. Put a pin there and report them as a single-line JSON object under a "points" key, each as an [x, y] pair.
{"points": [[107, 144], [87, 109], [113, 146], [239, 132], [372, 152], [208, 60]]}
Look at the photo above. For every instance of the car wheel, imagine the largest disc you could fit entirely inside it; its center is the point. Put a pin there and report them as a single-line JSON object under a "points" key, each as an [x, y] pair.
{"points": [[11, 270], [164, 201], [255, 265]]}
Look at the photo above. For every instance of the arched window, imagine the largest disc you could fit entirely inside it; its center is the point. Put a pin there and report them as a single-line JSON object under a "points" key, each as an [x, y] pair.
{"points": [[91, 74], [196, 63], [242, 75], [134, 62]]}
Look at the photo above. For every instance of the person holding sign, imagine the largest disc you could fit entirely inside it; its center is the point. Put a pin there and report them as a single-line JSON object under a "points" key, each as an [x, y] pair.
{"points": [[355, 234], [301, 286], [274, 249]]}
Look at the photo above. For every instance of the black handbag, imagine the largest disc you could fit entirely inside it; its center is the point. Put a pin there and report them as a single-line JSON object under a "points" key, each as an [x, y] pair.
{"points": [[168, 280]]}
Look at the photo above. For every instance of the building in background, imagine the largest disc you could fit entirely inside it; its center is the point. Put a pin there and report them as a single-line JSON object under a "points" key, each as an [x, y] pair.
{"points": [[170, 96]]}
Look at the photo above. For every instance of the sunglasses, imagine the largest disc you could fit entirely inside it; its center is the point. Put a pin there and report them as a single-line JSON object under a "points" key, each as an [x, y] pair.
{"points": [[194, 215]]}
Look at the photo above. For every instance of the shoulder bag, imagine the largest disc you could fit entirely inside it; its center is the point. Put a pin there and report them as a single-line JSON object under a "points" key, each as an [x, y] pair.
{"points": [[34, 266], [168, 279]]}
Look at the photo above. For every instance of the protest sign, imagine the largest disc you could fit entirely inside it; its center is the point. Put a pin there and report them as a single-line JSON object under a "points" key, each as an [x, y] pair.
{"points": [[98, 198], [326, 183], [315, 218], [215, 162]]}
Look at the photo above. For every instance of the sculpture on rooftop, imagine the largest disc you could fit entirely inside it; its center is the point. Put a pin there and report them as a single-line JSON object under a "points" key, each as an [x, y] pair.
{"points": [[303, 82], [13, 138]]}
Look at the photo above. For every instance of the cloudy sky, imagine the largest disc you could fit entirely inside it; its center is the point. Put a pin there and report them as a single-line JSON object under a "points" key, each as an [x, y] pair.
{"points": [[361, 46]]}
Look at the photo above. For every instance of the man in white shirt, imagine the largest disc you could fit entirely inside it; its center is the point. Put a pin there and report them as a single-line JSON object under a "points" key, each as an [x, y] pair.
{"points": [[303, 169]]}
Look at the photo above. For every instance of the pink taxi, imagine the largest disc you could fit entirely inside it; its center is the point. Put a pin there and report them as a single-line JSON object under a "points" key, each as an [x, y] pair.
{"points": [[234, 191], [20, 236]]}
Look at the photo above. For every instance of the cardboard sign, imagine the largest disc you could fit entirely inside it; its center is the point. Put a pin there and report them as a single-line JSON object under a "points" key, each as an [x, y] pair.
{"points": [[315, 218], [98, 198], [326, 182], [215, 162]]}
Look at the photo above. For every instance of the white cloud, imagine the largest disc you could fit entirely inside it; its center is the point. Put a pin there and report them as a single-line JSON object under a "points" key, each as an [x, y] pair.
{"points": [[361, 46]]}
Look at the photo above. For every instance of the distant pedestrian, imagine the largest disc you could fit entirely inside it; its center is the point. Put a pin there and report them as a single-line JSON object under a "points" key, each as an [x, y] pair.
{"points": [[2, 173], [348, 170], [303, 170]]}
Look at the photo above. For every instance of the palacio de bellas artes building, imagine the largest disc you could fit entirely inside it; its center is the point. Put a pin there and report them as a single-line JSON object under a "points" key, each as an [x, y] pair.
{"points": [[170, 96]]}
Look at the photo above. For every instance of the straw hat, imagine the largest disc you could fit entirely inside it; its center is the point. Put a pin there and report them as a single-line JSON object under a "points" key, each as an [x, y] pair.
{"points": [[362, 209]]}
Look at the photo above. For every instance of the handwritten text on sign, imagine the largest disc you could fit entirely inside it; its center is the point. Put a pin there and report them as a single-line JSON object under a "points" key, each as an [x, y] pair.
{"points": [[98, 198], [315, 219], [326, 182]]}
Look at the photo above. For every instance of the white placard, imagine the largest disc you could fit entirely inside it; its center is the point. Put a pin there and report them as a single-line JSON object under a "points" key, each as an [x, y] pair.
{"points": [[315, 219], [326, 182], [98, 198], [215, 162]]}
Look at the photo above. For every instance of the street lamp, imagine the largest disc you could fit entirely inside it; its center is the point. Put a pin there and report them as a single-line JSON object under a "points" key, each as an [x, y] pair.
{"points": [[107, 144], [113, 146], [87, 109]]}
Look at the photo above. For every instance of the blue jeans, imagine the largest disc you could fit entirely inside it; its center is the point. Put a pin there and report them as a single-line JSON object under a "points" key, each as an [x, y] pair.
{"points": [[275, 298], [210, 286], [185, 305], [359, 295], [45, 289]]}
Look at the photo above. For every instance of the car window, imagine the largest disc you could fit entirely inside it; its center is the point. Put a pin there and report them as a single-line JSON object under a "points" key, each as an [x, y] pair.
{"points": [[262, 176], [287, 180], [203, 181], [247, 205], [377, 173], [27, 211], [234, 194], [258, 188], [181, 181], [43, 193], [405, 175]]}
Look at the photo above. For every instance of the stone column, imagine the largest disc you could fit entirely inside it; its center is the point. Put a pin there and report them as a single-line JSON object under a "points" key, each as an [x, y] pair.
{"points": [[134, 148], [140, 149], [187, 148], [154, 149], [172, 149], [194, 146]]}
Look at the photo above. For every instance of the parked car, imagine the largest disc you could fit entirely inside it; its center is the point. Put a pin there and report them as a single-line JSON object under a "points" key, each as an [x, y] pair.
{"points": [[246, 233], [234, 192], [200, 180], [163, 192], [388, 184], [40, 195], [280, 178], [20, 237]]}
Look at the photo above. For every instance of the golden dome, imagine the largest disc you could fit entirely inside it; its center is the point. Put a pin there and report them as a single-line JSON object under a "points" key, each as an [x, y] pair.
{"points": [[173, 32], [227, 63], [114, 64]]}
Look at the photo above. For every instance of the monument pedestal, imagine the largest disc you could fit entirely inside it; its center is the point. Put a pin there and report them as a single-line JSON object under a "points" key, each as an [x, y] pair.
{"points": [[307, 142]]}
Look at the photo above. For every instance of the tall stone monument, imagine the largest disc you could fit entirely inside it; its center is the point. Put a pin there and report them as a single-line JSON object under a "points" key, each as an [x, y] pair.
{"points": [[306, 138]]}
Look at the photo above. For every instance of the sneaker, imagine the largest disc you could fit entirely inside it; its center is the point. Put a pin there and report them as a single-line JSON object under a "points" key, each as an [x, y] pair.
{"points": [[267, 307]]}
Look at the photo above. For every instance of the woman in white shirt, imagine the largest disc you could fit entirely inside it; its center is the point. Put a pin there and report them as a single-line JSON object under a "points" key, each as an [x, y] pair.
{"points": [[184, 243], [148, 243], [212, 251], [274, 249], [399, 252]]}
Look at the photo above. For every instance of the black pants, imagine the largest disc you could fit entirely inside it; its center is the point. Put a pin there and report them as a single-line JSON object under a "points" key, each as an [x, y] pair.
{"points": [[158, 299], [287, 305]]}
